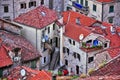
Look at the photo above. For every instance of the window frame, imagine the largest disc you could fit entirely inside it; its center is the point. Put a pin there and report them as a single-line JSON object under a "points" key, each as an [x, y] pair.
{"points": [[94, 8], [6, 8], [111, 8], [23, 6]]}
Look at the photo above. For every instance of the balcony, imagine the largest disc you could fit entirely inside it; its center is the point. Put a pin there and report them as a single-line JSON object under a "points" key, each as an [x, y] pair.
{"points": [[89, 47], [81, 8]]}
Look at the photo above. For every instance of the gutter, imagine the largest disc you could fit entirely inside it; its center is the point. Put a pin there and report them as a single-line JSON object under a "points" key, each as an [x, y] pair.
{"points": [[13, 10], [102, 12], [86, 62]]}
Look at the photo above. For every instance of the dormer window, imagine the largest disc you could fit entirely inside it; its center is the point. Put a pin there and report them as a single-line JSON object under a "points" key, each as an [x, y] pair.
{"points": [[105, 45]]}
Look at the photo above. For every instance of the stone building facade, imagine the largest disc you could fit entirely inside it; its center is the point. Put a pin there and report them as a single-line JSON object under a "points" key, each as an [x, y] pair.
{"points": [[102, 10]]}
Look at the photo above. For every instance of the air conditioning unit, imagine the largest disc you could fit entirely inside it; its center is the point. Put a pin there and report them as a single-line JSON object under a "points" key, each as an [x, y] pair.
{"points": [[16, 58]]}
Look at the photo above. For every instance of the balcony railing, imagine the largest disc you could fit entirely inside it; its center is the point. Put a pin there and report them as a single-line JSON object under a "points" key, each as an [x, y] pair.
{"points": [[81, 8]]}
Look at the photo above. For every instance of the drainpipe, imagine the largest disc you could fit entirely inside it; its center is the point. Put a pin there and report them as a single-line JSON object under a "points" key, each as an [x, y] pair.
{"points": [[36, 39], [86, 62], [102, 12], [13, 10]]}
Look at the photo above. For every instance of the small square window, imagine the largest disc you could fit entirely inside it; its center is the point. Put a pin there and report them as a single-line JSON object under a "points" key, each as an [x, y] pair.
{"points": [[33, 3], [110, 19], [23, 5], [90, 59]]}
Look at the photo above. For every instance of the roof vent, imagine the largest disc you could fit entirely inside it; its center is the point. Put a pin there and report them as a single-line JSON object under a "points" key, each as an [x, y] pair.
{"points": [[43, 13], [78, 21]]}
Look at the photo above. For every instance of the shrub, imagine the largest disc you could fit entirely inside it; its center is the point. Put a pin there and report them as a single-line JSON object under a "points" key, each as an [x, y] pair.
{"points": [[83, 76], [90, 71]]}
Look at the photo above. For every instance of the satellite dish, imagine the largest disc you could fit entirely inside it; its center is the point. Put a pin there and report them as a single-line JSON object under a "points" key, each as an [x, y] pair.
{"points": [[43, 40], [22, 72], [81, 36]]}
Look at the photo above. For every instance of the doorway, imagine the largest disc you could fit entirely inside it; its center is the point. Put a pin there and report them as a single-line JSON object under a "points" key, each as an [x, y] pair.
{"points": [[77, 69]]}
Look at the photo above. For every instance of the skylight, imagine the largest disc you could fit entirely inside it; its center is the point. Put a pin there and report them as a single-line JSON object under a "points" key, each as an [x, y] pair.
{"points": [[43, 13]]}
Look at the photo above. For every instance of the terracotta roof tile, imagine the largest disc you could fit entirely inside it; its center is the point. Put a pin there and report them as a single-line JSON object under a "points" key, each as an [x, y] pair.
{"points": [[112, 77], [38, 18], [70, 16], [12, 41], [86, 27], [4, 57], [73, 31], [30, 74], [111, 68], [43, 75], [15, 73]]}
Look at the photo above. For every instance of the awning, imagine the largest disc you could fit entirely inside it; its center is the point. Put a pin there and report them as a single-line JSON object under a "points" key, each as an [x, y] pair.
{"points": [[79, 6]]}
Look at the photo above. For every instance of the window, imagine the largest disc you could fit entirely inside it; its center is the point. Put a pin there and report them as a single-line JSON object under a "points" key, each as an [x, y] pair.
{"points": [[70, 41], [69, 8], [66, 62], [78, 56], [67, 50], [64, 50], [77, 1], [82, 2], [94, 7], [33, 3], [73, 42], [6, 8], [74, 54], [33, 64], [7, 18], [110, 19], [89, 41], [44, 59], [105, 45], [90, 59], [53, 26], [111, 9], [23, 5], [86, 3], [42, 2], [48, 30]]}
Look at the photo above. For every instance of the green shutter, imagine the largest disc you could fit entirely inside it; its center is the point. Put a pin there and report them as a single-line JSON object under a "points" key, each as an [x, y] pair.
{"points": [[1, 73]]}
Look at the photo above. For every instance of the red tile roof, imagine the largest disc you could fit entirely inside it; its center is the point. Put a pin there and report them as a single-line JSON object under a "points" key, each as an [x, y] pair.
{"points": [[112, 77], [37, 18], [15, 73], [111, 68], [105, 1], [30, 74], [73, 31], [12, 41], [70, 16], [4, 57], [43, 75], [86, 27]]}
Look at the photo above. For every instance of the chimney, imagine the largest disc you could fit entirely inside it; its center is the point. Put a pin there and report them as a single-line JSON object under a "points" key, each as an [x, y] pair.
{"points": [[112, 29], [78, 21]]}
